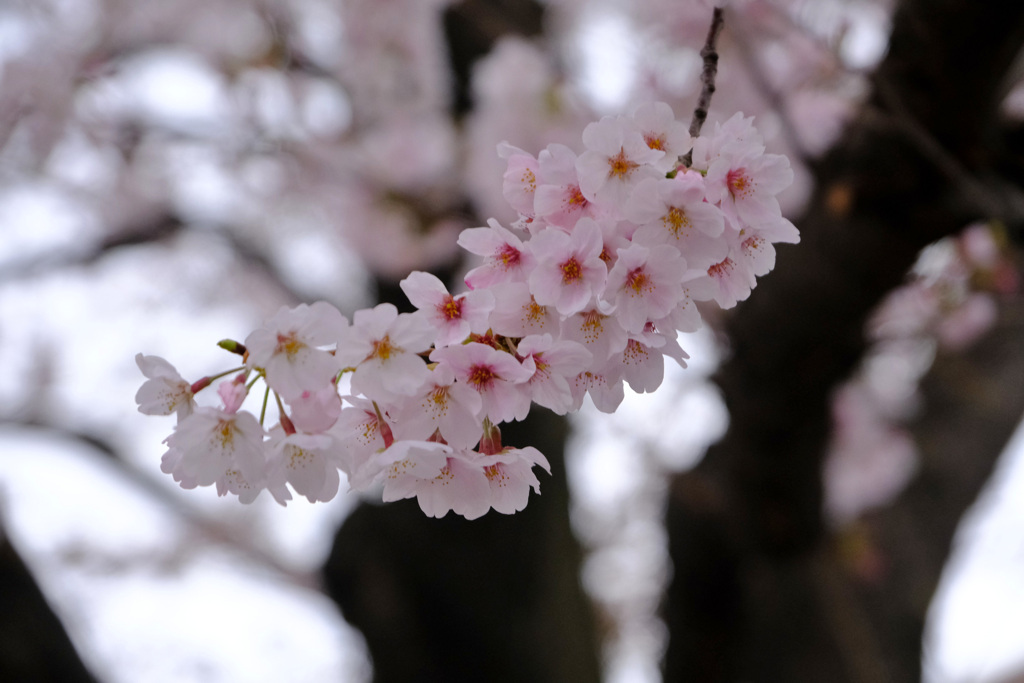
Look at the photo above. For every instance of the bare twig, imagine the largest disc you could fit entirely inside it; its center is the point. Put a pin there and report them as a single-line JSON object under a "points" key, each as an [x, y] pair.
{"points": [[707, 78], [211, 529], [1003, 200]]}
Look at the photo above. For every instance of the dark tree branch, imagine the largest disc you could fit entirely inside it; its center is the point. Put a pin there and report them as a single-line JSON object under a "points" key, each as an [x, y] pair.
{"points": [[709, 53]]}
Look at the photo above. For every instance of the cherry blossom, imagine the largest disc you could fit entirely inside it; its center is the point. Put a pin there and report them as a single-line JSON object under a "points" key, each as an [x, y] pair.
{"points": [[164, 391], [449, 408], [383, 345], [454, 317], [307, 462], [559, 199], [661, 131], [441, 479], [509, 474], [553, 363], [569, 272], [211, 442], [288, 348], [584, 295], [673, 211], [492, 374], [645, 285], [617, 158], [505, 258]]}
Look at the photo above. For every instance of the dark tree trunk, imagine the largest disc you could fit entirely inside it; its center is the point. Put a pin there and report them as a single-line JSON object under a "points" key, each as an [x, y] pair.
{"points": [[34, 648], [496, 599], [757, 595]]}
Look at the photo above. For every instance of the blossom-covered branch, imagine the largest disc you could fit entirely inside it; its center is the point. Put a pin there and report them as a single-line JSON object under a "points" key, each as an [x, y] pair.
{"points": [[586, 292]]}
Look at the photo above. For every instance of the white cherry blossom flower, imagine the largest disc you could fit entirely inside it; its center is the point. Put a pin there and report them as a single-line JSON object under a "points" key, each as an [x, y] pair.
{"points": [[164, 391], [289, 348], [211, 442], [383, 345], [305, 461]]}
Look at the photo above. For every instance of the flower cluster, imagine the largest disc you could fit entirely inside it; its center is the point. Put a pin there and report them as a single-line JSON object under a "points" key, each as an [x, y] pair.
{"points": [[585, 293]]}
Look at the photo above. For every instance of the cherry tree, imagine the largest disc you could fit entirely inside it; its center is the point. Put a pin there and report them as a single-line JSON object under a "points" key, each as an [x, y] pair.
{"points": [[439, 245]]}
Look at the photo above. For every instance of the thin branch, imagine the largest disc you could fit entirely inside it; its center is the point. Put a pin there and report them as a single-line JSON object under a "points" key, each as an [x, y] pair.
{"points": [[709, 53], [206, 527], [1003, 200]]}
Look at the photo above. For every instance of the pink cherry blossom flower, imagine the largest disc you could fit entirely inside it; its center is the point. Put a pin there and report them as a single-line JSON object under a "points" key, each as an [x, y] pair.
{"points": [[660, 130], [685, 317], [745, 183], [520, 179], [673, 211], [383, 345], [732, 277], [288, 348], [505, 257], [559, 199], [643, 367], [616, 160], [444, 406], [517, 314], [360, 433], [316, 411], [458, 484], [737, 132], [553, 363], [492, 374], [454, 317], [232, 481], [164, 391], [603, 384], [569, 272], [645, 285], [597, 332], [510, 477]]}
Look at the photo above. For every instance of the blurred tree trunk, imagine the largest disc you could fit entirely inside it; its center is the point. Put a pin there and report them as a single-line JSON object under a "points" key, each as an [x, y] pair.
{"points": [[34, 648], [497, 599], [757, 593]]}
